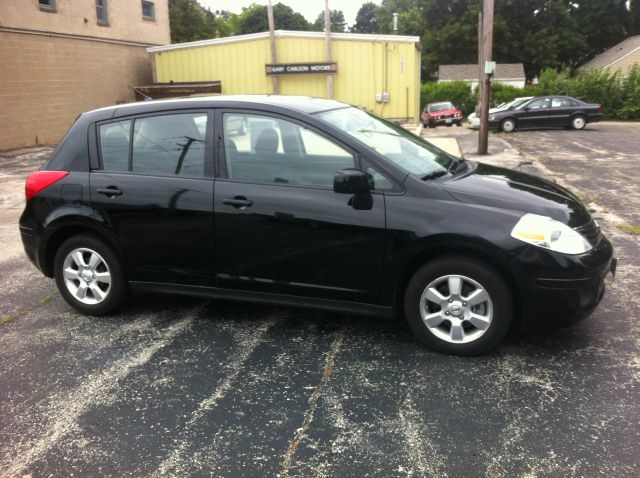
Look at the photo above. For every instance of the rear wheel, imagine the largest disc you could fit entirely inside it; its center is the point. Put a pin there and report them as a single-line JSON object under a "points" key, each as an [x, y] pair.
{"points": [[89, 275], [578, 122], [458, 306], [508, 125]]}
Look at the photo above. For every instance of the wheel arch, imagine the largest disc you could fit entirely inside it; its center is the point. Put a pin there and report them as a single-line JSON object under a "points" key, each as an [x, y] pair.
{"points": [[466, 250], [63, 230]]}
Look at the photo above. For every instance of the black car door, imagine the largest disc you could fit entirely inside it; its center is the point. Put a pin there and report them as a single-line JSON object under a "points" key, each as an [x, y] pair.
{"points": [[534, 113], [280, 228], [153, 192], [561, 109]]}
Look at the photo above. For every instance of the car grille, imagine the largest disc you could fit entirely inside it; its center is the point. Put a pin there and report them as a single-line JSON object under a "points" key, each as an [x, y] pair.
{"points": [[591, 231]]}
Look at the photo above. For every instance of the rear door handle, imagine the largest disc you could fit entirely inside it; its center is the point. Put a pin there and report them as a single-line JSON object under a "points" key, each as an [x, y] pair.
{"points": [[239, 202], [111, 191]]}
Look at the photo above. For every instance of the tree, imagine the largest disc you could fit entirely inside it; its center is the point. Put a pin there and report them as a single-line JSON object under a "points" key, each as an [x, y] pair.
{"points": [[189, 21], [366, 19], [254, 19], [603, 23], [338, 23]]}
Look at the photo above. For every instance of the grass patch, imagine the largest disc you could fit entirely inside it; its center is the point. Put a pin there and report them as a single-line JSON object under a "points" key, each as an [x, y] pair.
{"points": [[629, 228], [587, 198], [47, 298], [5, 319]]}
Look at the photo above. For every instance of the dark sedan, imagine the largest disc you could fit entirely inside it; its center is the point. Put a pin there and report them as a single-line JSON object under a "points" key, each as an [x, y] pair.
{"points": [[312, 203], [547, 111]]}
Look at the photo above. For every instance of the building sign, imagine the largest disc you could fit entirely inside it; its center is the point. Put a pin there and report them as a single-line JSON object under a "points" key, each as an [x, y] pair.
{"points": [[327, 68]]}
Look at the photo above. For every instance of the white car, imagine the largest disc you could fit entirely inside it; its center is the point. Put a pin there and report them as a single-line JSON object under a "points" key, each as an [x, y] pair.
{"points": [[474, 119]]}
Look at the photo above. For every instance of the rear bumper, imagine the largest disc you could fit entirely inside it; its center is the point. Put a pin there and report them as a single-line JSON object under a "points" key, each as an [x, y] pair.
{"points": [[559, 289], [30, 244]]}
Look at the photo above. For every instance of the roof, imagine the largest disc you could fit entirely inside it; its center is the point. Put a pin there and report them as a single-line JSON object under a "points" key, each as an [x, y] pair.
{"points": [[504, 71], [303, 104], [614, 54], [288, 34]]}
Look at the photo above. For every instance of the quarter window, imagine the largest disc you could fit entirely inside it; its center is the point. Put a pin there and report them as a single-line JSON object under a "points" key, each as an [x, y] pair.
{"points": [[272, 150], [167, 145], [114, 146], [47, 5], [148, 10], [101, 12]]}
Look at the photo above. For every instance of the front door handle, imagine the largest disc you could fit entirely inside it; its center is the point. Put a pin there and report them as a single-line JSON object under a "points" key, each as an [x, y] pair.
{"points": [[239, 202], [111, 191]]}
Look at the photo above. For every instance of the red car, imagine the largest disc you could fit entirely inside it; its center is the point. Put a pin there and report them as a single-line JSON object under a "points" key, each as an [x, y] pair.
{"points": [[443, 112]]}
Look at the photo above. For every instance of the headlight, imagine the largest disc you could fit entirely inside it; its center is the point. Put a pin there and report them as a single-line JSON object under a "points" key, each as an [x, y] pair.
{"points": [[542, 231], [492, 117]]}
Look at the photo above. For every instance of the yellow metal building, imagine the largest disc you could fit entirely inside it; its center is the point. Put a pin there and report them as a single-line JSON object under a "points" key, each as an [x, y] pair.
{"points": [[378, 72]]}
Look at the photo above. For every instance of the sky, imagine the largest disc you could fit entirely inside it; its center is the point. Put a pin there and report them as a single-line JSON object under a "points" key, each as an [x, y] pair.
{"points": [[309, 8]]}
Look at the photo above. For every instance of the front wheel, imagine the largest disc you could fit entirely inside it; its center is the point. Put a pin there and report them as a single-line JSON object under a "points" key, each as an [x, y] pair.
{"points": [[89, 275], [458, 306], [578, 122], [508, 125]]}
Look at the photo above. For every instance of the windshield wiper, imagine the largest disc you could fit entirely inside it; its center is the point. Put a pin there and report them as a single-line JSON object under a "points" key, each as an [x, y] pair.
{"points": [[434, 175]]}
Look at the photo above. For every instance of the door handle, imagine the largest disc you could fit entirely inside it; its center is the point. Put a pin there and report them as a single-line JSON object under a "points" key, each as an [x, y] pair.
{"points": [[239, 202], [111, 191]]}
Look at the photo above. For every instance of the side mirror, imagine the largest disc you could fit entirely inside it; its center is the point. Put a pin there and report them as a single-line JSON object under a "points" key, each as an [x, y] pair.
{"points": [[527, 108], [351, 181]]}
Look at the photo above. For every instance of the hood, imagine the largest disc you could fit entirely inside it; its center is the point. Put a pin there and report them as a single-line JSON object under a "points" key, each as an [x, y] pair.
{"points": [[498, 187]]}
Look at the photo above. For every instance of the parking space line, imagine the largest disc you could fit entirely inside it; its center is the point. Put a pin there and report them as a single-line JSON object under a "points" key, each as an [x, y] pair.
{"points": [[175, 462], [313, 400], [90, 393]]}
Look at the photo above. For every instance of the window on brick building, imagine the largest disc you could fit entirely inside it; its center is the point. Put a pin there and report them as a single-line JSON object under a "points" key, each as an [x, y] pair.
{"points": [[101, 12], [148, 10], [47, 5]]}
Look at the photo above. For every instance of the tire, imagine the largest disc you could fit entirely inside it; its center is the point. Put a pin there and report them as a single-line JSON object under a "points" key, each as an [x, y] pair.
{"points": [[508, 125], [578, 122], [456, 327], [94, 282]]}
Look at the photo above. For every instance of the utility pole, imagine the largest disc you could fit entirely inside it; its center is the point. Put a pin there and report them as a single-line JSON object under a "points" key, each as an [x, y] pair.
{"points": [[272, 36], [487, 48], [327, 37], [480, 65]]}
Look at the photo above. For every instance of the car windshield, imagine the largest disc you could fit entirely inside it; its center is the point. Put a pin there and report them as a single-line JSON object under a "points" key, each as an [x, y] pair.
{"points": [[440, 107], [404, 149]]}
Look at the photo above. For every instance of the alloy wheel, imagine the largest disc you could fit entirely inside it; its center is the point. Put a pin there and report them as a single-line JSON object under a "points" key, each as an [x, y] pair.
{"points": [[86, 276], [456, 309]]}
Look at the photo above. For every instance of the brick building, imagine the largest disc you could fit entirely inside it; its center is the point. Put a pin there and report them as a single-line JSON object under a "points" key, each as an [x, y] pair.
{"points": [[62, 57]]}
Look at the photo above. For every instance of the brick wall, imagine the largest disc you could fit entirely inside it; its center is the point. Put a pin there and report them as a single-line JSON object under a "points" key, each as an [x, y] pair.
{"points": [[45, 82], [78, 17]]}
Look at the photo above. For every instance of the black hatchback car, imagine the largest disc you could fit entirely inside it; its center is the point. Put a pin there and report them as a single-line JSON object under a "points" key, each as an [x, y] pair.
{"points": [[308, 202], [547, 111]]}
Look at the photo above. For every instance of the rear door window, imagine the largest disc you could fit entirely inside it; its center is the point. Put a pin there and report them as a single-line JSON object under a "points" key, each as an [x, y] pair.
{"points": [[114, 145], [163, 145]]}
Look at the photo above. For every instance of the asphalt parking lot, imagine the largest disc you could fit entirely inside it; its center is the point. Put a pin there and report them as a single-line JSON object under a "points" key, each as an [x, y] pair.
{"points": [[189, 387]]}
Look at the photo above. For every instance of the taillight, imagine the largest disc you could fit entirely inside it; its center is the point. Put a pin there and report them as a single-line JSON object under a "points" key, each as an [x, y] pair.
{"points": [[40, 180], [599, 108]]}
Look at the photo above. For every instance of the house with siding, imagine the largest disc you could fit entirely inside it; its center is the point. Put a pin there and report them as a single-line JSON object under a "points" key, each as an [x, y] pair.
{"points": [[620, 57], [507, 73]]}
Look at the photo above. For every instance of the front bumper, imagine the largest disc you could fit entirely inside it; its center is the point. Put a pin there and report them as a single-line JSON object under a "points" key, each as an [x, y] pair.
{"points": [[558, 289]]}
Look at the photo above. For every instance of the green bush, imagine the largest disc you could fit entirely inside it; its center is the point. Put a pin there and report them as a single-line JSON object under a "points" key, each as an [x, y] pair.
{"points": [[618, 94]]}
